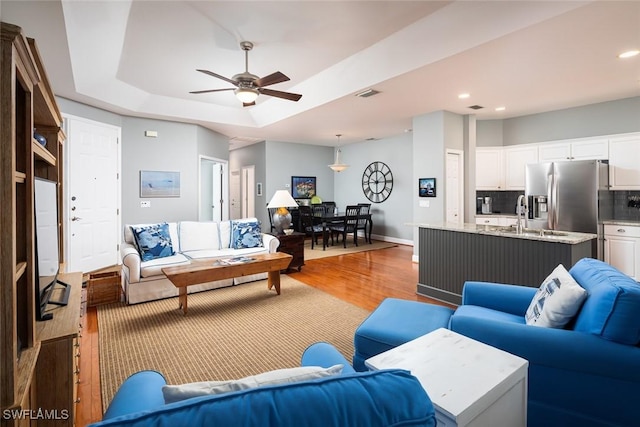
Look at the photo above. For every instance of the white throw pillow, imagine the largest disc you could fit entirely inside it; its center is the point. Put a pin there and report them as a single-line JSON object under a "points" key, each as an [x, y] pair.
{"points": [[175, 393], [558, 299]]}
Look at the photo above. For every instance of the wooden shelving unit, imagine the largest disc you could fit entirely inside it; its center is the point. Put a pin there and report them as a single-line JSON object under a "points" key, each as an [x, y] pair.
{"points": [[27, 103]]}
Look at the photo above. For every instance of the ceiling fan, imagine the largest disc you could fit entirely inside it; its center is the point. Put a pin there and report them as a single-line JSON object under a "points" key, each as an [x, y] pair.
{"points": [[249, 86]]}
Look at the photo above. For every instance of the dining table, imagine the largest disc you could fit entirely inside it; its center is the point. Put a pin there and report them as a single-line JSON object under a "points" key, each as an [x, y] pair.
{"points": [[332, 217]]}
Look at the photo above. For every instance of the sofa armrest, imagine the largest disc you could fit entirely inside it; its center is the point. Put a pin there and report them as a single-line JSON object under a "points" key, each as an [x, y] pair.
{"points": [[131, 259], [142, 391], [271, 242], [513, 299], [325, 355], [561, 349]]}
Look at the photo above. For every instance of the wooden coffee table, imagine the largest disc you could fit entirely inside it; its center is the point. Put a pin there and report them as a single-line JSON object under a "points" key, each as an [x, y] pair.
{"points": [[203, 271]]}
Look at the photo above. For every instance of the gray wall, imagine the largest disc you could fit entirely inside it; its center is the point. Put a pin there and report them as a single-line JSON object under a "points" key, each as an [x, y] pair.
{"points": [[175, 149], [73, 108], [605, 118], [253, 155], [391, 216]]}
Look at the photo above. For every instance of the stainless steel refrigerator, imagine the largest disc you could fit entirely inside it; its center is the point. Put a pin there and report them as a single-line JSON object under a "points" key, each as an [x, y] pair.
{"points": [[565, 195]]}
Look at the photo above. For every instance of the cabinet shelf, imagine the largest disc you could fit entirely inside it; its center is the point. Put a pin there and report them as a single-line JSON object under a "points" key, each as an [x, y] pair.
{"points": [[20, 177], [20, 269], [43, 154]]}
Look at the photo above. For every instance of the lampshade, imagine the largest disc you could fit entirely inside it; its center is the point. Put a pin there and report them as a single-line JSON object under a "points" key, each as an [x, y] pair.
{"points": [[337, 166], [282, 199], [281, 218], [246, 94]]}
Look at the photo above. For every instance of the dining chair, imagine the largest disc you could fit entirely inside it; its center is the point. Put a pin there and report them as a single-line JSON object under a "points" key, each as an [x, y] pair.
{"points": [[271, 211], [349, 225], [308, 226], [363, 220]]}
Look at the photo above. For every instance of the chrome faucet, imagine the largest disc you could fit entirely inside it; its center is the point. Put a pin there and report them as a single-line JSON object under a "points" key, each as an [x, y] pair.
{"points": [[521, 213]]}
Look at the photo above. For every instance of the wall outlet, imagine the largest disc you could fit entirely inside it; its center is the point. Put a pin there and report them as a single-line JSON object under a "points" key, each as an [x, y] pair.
{"points": [[145, 204]]}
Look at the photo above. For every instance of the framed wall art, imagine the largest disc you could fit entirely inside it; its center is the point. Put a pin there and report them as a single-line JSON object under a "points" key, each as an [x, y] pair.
{"points": [[159, 184], [427, 187], [303, 187]]}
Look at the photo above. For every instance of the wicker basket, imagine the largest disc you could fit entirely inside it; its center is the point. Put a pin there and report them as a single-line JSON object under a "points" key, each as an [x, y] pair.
{"points": [[104, 288]]}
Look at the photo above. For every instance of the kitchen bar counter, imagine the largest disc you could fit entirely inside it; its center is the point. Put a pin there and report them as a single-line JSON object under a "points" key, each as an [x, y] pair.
{"points": [[451, 254], [565, 237], [630, 222]]}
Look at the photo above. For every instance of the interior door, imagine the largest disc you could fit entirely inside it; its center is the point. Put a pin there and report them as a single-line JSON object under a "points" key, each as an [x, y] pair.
{"points": [[213, 189], [234, 195], [454, 186], [248, 192], [92, 195]]}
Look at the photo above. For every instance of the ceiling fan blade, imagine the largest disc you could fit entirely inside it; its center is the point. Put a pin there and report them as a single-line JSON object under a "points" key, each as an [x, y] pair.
{"points": [[271, 79], [280, 94], [211, 90], [244, 104], [211, 73]]}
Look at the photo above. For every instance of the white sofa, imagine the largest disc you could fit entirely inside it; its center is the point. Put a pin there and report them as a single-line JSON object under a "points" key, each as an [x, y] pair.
{"points": [[144, 280]]}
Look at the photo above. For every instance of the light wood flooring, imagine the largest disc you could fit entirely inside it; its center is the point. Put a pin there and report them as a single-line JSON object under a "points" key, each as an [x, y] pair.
{"points": [[363, 279]]}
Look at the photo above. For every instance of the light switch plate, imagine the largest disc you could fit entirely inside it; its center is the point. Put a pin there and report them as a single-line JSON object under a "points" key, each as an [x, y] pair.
{"points": [[145, 204], [423, 203]]}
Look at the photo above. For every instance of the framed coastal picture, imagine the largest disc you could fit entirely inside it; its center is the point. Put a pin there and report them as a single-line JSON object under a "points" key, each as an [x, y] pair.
{"points": [[159, 184], [303, 187], [427, 187]]}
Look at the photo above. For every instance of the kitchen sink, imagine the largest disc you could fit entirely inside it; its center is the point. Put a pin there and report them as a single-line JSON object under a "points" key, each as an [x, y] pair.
{"points": [[525, 231]]}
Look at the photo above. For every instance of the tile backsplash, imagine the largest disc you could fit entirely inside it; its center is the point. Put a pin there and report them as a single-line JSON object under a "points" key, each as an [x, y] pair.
{"points": [[618, 205], [503, 202], [626, 205]]}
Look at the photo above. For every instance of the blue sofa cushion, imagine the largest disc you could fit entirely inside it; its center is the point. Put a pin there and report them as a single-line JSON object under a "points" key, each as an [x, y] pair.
{"points": [[246, 234], [380, 398], [153, 241], [612, 309]]}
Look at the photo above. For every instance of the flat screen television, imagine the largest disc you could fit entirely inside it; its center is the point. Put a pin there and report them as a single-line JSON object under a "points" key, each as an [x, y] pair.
{"points": [[47, 249]]}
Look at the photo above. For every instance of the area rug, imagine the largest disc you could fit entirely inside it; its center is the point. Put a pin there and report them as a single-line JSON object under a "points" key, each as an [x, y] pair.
{"points": [[228, 333], [338, 249]]}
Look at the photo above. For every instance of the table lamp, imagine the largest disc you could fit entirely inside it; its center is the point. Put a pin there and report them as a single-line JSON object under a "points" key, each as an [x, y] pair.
{"points": [[282, 200]]}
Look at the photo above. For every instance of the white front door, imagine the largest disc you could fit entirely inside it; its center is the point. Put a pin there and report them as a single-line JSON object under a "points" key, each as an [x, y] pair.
{"points": [[453, 186], [92, 195]]}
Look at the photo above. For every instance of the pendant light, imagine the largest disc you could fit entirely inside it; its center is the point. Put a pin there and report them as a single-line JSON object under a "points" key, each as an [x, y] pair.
{"points": [[337, 166]]}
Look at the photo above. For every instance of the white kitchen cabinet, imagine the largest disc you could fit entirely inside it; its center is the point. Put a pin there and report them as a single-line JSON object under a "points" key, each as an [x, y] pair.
{"points": [[590, 149], [622, 248], [582, 149], [487, 220], [489, 169], [624, 162], [516, 159], [551, 152], [504, 221]]}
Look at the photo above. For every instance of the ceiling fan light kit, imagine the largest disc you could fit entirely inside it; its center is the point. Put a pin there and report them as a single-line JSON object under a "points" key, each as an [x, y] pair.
{"points": [[249, 86], [247, 95]]}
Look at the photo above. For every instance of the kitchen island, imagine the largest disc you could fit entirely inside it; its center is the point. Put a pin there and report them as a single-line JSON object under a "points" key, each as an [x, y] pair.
{"points": [[450, 254]]}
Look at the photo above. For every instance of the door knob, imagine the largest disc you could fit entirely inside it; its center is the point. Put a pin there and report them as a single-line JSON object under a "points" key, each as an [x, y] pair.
{"points": [[75, 218]]}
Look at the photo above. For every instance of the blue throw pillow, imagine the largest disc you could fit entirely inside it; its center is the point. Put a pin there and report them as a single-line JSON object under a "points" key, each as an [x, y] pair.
{"points": [[153, 240], [246, 234]]}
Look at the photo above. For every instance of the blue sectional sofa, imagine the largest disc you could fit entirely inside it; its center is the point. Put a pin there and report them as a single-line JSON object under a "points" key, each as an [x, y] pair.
{"points": [[587, 374], [367, 399]]}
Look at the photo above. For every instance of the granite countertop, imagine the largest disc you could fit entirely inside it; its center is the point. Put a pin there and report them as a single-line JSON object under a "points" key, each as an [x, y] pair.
{"points": [[508, 215], [621, 222], [566, 237]]}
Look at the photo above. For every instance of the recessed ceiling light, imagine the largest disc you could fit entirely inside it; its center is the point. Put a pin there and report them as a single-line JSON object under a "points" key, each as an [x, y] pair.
{"points": [[500, 108], [629, 54], [464, 95]]}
